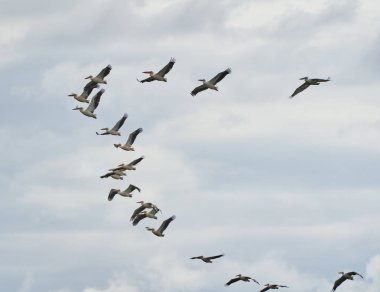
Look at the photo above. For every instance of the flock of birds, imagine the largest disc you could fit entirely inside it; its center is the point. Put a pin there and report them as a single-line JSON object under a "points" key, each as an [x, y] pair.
{"points": [[119, 171]]}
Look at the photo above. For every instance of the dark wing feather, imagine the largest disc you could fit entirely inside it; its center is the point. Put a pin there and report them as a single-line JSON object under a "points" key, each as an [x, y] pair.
{"points": [[232, 281], [198, 89], [134, 162], [215, 257], [95, 100], [138, 218], [165, 224], [107, 175], [89, 87], [131, 188], [300, 89], [137, 211], [338, 282], [104, 72], [167, 68], [112, 194], [321, 80], [120, 123], [354, 273], [265, 289], [132, 136], [218, 77], [149, 79]]}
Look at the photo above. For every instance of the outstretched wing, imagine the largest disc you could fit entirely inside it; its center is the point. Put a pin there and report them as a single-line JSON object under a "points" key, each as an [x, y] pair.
{"points": [[232, 281], [218, 77], [88, 88], [120, 123], [138, 218], [131, 188], [300, 89], [354, 273], [215, 257], [107, 174], [167, 68], [104, 72], [112, 194], [132, 136], [198, 89], [134, 162], [338, 282], [137, 211], [265, 289], [165, 224], [95, 101]]}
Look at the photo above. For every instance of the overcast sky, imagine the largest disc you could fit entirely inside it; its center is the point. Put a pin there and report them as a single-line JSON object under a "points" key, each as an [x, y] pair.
{"points": [[288, 189]]}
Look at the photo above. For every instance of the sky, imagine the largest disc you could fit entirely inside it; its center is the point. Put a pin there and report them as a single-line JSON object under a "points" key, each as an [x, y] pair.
{"points": [[287, 189]]}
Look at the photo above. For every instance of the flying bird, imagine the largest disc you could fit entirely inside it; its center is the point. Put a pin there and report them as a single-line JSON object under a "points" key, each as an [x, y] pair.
{"points": [[211, 84], [126, 193], [100, 77], [145, 214], [129, 166], [160, 231], [307, 83], [344, 277], [89, 111], [131, 139], [143, 206], [272, 286], [160, 75], [118, 174], [240, 277], [86, 92], [207, 259], [115, 129]]}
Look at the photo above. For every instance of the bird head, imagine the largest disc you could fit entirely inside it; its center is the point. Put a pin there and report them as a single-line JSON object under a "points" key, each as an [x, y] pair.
{"points": [[72, 94], [104, 81], [304, 78], [77, 108], [202, 80], [148, 72], [88, 77], [238, 275], [104, 129], [341, 273], [140, 202]]}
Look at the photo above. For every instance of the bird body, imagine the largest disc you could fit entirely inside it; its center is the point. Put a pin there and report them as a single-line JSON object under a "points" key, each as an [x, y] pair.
{"points": [[272, 286], [307, 83], [89, 111], [126, 193], [145, 214], [344, 277], [240, 277], [207, 259], [131, 139], [115, 129], [160, 75], [100, 77], [143, 206], [211, 84], [129, 166], [160, 231]]}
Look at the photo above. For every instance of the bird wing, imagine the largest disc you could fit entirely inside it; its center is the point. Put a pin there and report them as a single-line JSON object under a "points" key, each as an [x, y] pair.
{"points": [[300, 88], [95, 101], [265, 289], [105, 71], [138, 218], [167, 68], [215, 257], [282, 286], [320, 80], [131, 188], [134, 162], [120, 123], [87, 89], [338, 282], [149, 79], [107, 174], [218, 77], [198, 89], [137, 211], [112, 194], [354, 273], [132, 136], [165, 224], [232, 281]]}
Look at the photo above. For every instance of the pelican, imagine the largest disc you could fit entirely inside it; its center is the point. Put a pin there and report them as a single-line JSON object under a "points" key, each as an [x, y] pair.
{"points": [[145, 214], [89, 111], [207, 259], [100, 77], [240, 277], [160, 75], [86, 92], [344, 277], [272, 286], [211, 83], [129, 166], [161, 229], [307, 83], [144, 205], [131, 139], [115, 129], [114, 174], [126, 193]]}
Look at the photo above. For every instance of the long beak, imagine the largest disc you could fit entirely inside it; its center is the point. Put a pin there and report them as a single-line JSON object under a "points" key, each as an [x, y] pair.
{"points": [[72, 94], [88, 77], [75, 108], [147, 72]]}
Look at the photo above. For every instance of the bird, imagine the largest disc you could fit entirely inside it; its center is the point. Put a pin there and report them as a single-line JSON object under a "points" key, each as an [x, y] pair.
{"points": [[160, 75], [207, 259], [211, 84], [272, 286], [100, 77], [344, 277], [89, 111], [126, 193], [131, 139], [129, 166], [115, 129], [145, 214], [118, 174], [143, 205], [89, 87], [240, 277], [159, 232], [307, 83]]}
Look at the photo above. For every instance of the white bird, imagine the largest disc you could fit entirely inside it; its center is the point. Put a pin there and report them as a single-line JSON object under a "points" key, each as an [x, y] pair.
{"points": [[117, 174], [207, 259], [115, 129], [160, 75], [126, 193], [344, 277], [145, 214], [100, 77], [307, 83], [211, 84], [143, 206], [129, 166], [131, 139], [272, 286], [89, 111], [86, 92], [240, 277], [160, 231]]}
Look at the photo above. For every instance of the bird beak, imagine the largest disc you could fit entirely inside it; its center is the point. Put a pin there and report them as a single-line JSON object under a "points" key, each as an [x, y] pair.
{"points": [[105, 81], [88, 77], [75, 109], [72, 94]]}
